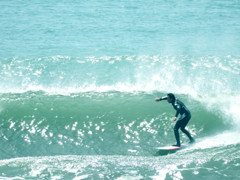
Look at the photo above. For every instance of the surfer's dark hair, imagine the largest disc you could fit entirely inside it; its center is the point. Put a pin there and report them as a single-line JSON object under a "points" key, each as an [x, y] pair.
{"points": [[171, 96]]}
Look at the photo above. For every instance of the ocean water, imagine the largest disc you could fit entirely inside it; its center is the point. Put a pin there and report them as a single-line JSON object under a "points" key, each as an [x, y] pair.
{"points": [[78, 81]]}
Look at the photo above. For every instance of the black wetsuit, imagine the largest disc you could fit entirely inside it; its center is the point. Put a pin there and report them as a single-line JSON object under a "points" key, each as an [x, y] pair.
{"points": [[182, 121]]}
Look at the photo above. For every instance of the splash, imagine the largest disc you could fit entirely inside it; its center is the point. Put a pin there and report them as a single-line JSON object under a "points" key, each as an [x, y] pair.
{"points": [[178, 74]]}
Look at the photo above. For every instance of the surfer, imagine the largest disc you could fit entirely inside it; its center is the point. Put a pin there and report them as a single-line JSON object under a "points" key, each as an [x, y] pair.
{"points": [[182, 121]]}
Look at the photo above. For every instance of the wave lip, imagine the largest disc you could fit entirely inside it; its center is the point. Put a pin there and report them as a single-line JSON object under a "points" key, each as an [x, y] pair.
{"points": [[179, 74]]}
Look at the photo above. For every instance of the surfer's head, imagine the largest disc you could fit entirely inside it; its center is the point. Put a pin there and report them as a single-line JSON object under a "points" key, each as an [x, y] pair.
{"points": [[170, 97]]}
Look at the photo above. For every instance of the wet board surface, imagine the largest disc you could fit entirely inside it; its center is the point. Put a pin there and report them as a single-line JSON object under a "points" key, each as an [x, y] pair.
{"points": [[168, 149]]}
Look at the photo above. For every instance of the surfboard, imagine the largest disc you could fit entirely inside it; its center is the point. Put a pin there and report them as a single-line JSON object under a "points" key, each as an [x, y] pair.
{"points": [[168, 150]]}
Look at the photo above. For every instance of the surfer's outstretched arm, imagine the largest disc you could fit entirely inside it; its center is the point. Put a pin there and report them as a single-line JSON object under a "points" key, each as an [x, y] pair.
{"points": [[162, 98]]}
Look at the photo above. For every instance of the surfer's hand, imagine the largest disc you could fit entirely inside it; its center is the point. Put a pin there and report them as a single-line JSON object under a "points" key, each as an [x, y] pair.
{"points": [[175, 118], [157, 99]]}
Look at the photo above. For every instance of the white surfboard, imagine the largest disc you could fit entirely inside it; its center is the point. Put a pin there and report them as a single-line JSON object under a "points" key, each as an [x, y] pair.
{"points": [[168, 149]]}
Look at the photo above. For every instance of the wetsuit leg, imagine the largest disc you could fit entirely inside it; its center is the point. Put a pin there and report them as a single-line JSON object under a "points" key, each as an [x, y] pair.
{"points": [[176, 133], [184, 124]]}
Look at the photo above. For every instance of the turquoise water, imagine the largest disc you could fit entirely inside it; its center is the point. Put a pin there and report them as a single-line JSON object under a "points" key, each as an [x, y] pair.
{"points": [[110, 28], [78, 81]]}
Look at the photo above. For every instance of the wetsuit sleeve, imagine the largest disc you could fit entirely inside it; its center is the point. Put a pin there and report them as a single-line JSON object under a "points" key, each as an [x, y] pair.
{"points": [[178, 108], [163, 98]]}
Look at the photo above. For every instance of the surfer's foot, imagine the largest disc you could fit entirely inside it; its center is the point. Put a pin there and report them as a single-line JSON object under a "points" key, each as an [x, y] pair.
{"points": [[177, 145], [192, 141]]}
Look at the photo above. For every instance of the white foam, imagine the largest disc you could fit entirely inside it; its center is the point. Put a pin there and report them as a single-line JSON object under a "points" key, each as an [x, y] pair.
{"points": [[224, 139]]}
